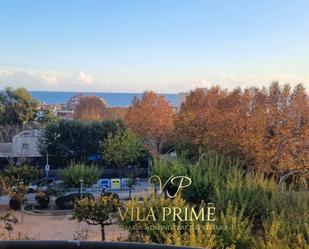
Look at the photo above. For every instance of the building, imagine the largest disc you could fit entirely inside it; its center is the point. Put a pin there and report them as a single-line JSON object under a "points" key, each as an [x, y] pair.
{"points": [[181, 98], [66, 114], [24, 145], [67, 111], [73, 102], [53, 108]]}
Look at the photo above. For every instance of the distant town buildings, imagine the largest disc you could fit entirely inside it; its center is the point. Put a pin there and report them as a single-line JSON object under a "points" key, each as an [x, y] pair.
{"points": [[181, 98], [54, 108], [66, 111]]}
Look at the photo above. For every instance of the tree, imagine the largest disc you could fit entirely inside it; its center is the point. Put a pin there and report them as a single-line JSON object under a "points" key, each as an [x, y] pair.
{"points": [[96, 211], [17, 107], [46, 117], [121, 148], [73, 139], [152, 118], [132, 180], [21, 173], [73, 174], [115, 113], [265, 129], [15, 180], [90, 108]]}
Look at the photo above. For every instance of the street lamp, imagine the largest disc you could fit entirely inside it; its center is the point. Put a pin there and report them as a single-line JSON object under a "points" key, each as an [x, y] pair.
{"points": [[22, 201], [47, 167], [81, 188]]}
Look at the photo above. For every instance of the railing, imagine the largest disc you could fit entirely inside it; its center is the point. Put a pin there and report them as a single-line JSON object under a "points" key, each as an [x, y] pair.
{"points": [[75, 244]]}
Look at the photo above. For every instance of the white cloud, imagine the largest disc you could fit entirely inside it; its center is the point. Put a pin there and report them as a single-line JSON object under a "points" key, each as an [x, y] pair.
{"points": [[85, 77], [242, 81], [48, 80], [4, 72], [49, 76], [52, 80]]}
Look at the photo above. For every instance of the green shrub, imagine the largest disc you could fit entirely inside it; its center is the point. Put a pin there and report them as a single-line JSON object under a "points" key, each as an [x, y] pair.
{"points": [[205, 175], [254, 209], [21, 173], [76, 172], [236, 228], [42, 199], [197, 236], [15, 203]]}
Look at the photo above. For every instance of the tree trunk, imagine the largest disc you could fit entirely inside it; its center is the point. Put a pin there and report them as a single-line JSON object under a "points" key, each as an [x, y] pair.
{"points": [[130, 191], [120, 171], [102, 232], [120, 175]]}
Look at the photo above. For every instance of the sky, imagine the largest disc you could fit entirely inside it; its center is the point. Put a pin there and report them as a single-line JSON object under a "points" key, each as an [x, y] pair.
{"points": [[162, 45]]}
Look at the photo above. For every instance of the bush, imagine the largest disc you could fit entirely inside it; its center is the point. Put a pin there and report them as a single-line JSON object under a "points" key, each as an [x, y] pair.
{"points": [[76, 172], [67, 201], [196, 236], [113, 195], [42, 199], [15, 203], [21, 173], [252, 209]]}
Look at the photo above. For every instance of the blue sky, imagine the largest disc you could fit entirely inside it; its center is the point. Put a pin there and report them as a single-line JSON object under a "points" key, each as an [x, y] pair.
{"points": [[163, 45]]}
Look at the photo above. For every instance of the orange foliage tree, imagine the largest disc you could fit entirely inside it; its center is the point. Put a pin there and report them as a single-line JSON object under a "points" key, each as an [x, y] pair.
{"points": [[263, 128], [152, 118], [114, 113], [90, 108]]}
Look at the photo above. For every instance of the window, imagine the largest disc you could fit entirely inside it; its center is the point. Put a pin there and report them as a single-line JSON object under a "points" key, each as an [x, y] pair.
{"points": [[25, 146]]}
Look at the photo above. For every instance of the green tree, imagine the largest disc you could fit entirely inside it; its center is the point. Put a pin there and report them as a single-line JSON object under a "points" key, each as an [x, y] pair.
{"points": [[122, 148], [96, 211], [73, 174], [46, 117], [17, 107], [72, 139], [20, 173], [15, 180]]}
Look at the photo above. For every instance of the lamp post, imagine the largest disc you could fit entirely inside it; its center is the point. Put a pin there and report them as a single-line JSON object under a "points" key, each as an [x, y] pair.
{"points": [[47, 167], [81, 188], [22, 202]]}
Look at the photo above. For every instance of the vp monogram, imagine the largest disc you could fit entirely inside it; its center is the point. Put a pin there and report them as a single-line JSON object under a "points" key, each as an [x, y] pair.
{"points": [[180, 182]]}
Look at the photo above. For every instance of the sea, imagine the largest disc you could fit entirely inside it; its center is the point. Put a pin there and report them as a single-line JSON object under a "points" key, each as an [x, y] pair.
{"points": [[112, 99]]}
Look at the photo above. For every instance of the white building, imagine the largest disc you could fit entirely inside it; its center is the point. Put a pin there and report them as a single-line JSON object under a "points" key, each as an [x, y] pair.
{"points": [[181, 98], [24, 144]]}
